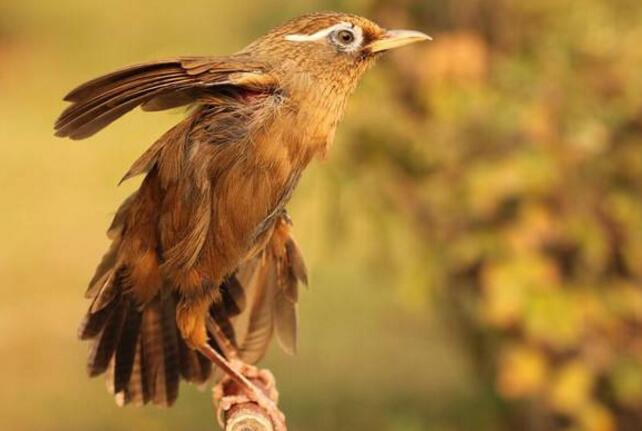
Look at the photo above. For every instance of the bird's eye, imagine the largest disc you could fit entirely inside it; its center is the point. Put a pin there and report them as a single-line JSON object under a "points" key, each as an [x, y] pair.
{"points": [[345, 37]]}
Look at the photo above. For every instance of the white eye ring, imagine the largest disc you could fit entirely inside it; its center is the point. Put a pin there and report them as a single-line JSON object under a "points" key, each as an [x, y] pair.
{"points": [[347, 37], [333, 34], [344, 37]]}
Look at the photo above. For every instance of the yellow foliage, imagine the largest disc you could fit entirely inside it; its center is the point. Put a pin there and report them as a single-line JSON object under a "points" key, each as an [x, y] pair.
{"points": [[627, 380], [596, 417], [522, 371], [571, 388], [510, 285]]}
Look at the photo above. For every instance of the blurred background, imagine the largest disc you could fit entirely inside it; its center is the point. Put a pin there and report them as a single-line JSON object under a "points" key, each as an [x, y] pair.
{"points": [[474, 239]]}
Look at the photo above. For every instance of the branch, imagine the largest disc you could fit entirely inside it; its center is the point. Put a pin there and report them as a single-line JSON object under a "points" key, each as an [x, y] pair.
{"points": [[238, 413], [247, 417]]}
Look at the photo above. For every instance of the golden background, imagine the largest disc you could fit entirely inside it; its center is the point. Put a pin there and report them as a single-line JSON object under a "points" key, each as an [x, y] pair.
{"points": [[474, 238]]}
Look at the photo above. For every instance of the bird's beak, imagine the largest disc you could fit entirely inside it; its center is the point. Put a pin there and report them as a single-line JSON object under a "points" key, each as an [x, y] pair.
{"points": [[397, 38]]}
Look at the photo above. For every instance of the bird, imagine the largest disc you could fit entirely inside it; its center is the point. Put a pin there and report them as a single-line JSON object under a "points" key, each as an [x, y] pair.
{"points": [[203, 268]]}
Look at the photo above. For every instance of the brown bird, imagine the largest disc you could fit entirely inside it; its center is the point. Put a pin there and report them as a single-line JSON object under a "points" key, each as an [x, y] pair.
{"points": [[202, 267]]}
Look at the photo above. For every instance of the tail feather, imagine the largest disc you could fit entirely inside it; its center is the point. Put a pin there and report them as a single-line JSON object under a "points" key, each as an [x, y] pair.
{"points": [[109, 287], [195, 368], [135, 340], [93, 323], [153, 353], [141, 351], [106, 266], [127, 350], [106, 342], [170, 350], [135, 392]]}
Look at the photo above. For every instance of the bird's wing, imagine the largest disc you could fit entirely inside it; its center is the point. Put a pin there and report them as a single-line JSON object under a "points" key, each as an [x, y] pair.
{"points": [[270, 283], [155, 86]]}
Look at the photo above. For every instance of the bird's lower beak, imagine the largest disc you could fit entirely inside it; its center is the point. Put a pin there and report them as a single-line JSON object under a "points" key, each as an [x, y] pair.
{"points": [[397, 38]]}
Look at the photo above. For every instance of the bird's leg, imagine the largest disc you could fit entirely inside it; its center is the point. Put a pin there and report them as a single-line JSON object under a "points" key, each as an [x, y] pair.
{"points": [[242, 375], [226, 346], [193, 322], [262, 376]]}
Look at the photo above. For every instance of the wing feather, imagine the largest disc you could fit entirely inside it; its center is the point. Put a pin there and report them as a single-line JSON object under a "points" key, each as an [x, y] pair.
{"points": [[156, 85], [270, 284]]}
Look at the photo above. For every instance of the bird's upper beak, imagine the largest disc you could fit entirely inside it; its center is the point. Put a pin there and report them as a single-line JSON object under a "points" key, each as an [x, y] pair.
{"points": [[397, 38]]}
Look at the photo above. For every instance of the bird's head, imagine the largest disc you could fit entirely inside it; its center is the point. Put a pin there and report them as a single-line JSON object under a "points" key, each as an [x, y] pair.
{"points": [[329, 47]]}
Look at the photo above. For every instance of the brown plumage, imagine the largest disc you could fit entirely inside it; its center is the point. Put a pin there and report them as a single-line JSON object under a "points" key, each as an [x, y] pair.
{"points": [[202, 252]]}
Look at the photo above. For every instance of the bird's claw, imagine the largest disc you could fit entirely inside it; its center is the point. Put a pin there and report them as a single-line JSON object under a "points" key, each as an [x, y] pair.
{"points": [[262, 392]]}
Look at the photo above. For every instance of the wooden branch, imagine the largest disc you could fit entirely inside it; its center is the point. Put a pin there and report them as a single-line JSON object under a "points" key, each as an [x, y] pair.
{"points": [[240, 414], [247, 417]]}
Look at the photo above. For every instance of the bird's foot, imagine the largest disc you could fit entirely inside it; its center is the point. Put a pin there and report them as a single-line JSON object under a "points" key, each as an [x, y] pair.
{"points": [[260, 391]]}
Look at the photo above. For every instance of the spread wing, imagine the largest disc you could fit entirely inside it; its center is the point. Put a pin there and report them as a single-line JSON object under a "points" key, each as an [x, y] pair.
{"points": [[155, 86]]}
